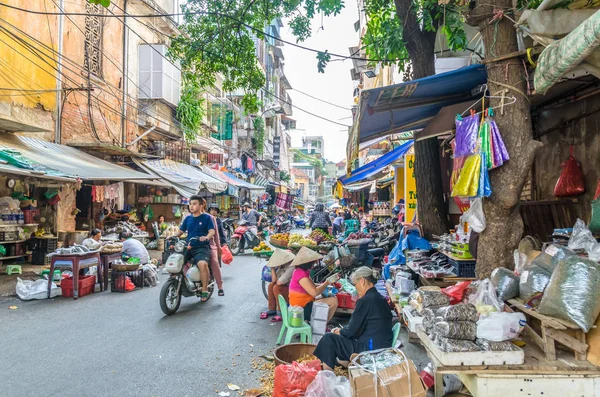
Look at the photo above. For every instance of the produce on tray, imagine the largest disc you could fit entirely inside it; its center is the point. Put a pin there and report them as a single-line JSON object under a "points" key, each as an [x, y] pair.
{"points": [[280, 238], [573, 293], [488, 345], [261, 247], [455, 345], [298, 240], [464, 330], [460, 312], [506, 283], [320, 236]]}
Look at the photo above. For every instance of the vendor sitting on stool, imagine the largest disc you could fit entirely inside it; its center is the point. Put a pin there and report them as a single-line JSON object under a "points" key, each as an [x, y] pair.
{"points": [[370, 326], [302, 289], [134, 248], [281, 274]]}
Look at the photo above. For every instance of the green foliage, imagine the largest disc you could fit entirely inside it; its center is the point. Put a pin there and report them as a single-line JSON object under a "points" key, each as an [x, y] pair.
{"points": [[103, 3], [284, 176], [312, 159], [259, 135], [324, 58], [191, 109]]}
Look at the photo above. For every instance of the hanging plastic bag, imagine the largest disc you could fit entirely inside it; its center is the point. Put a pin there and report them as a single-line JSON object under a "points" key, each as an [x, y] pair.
{"points": [[226, 255], [500, 154], [466, 134], [484, 136], [485, 186], [292, 380], [499, 327], [594, 225], [468, 181], [571, 181], [582, 238], [328, 384], [485, 299], [475, 216]]}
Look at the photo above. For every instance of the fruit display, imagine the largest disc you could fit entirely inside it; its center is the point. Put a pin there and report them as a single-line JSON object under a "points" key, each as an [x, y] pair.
{"points": [[280, 239], [320, 236], [358, 238], [261, 247], [298, 240]]}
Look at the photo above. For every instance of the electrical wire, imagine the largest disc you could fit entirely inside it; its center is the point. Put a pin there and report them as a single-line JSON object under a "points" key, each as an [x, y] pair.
{"points": [[320, 100]]}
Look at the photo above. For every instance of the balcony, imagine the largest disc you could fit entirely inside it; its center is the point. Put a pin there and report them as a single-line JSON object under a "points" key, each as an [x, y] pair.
{"points": [[287, 105]]}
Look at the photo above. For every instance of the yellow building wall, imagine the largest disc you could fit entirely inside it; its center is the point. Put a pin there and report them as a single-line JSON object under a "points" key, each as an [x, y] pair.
{"points": [[398, 184], [19, 67]]}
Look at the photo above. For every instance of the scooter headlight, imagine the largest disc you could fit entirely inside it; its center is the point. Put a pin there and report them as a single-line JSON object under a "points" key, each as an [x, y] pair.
{"points": [[180, 246]]}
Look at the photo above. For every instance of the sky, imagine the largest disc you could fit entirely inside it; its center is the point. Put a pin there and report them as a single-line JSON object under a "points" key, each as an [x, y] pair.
{"points": [[334, 86]]}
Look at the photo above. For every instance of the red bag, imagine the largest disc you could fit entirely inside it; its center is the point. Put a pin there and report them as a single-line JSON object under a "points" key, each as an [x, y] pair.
{"points": [[455, 292], [293, 379], [226, 255], [597, 191], [571, 181]]}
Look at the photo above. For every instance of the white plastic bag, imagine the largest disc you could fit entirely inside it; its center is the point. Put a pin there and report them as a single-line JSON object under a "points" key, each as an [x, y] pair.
{"points": [[327, 384], [475, 216], [582, 238], [28, 290], [499, 327], [485, 299]]}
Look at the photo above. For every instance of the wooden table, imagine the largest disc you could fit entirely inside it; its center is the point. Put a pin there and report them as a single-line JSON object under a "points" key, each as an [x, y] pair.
{"points": [[75, 263], [537, 376], [442, 282], [105, 261]]}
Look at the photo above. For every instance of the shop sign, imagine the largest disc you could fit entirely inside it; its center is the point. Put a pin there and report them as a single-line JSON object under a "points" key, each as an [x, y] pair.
{"points": [[410, 187], [276, 151]]}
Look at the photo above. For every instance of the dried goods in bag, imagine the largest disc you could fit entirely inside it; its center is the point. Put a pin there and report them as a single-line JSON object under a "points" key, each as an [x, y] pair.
{"points": [[421, 299], [488, 345], [506, 283], [464, 330], [455, 345], [573, 293], [533, 281], [460, 312]]}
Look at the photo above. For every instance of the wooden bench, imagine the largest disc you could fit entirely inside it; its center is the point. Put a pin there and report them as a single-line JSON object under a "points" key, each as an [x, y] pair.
{"points": [[553, 330]]}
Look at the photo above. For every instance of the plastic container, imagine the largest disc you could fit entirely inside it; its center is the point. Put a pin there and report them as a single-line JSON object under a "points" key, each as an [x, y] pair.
{"points": [[85, 286], [296, 316], [463, 268]]}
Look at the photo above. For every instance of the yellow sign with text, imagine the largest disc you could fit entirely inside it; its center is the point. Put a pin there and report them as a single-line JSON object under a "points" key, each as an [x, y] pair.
{"points": [[410, 188]]}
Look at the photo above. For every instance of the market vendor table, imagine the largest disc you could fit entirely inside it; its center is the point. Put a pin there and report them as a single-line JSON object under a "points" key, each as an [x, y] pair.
{"points": [[442, 282], [75, 262], [105, 260], [537, 376]]}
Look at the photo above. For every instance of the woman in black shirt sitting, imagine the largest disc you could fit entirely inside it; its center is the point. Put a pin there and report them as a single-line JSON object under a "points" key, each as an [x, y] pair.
{"points": [[370, 326]]}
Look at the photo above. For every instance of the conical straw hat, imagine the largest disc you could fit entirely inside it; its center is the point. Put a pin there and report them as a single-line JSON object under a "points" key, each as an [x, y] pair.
{"points": [[280, 257], [305, 255]]}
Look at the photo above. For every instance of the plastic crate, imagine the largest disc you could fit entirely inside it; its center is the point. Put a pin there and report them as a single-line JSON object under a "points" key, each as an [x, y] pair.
{"points": [[86, 286], [40, 258], [44, 245], [464, 269], [117, 280], [345, 301]]}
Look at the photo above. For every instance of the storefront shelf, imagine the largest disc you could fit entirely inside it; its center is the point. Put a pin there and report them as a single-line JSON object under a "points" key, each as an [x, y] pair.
{"points": [[12, 242], [5, 258], [16, 225]]}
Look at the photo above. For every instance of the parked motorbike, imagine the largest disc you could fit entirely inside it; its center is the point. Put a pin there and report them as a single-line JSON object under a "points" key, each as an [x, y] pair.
{"points": [[228, 228], [300, 222], [243, 239], [184, 279], [283, 227]]}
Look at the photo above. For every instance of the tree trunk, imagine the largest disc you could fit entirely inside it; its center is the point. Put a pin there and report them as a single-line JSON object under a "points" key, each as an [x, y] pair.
{"points": [[431, 207], [504, 223], [420, 45]]}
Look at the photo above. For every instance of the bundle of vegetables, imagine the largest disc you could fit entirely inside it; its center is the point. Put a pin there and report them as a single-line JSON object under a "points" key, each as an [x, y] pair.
{"points": [[320, 236]]}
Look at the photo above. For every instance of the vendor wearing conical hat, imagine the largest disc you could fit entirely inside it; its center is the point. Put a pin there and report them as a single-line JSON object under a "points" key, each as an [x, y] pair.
{"points": [[303, 290], [281, 274]]}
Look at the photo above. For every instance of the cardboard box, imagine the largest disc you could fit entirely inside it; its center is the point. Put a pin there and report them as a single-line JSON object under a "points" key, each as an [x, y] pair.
{"points": [[391, 382]]}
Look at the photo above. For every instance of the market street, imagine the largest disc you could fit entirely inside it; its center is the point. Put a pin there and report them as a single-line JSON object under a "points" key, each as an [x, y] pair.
{"points": [[111, 343]]}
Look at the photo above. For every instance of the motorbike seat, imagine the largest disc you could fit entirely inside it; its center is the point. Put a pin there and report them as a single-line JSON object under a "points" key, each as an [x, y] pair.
{"points": [[376, 252]]}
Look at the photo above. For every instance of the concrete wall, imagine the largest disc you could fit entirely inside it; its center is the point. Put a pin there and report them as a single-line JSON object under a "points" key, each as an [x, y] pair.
{"points": [[583, 133]]}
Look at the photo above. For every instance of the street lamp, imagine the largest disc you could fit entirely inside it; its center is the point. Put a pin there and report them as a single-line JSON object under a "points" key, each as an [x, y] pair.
{"points": [[275, 109]]}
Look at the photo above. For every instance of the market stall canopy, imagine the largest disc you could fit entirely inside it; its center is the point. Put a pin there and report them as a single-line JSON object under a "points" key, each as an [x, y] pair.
{"points": [[564, 55], [361, 185], [410, 105], [14, 170], [186, 179], [261, 181], [368, 171], [64, 161], [242, 183]]}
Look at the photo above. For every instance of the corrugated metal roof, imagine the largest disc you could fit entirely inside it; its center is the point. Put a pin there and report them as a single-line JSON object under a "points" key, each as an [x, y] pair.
{"points": [[68, 161], [11, 169], [188, 180]]}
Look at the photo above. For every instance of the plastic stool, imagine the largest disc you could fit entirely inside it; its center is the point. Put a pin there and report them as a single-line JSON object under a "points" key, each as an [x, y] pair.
{"points": [[57, 274], [305, 330], [396, 331], [10, 269]]}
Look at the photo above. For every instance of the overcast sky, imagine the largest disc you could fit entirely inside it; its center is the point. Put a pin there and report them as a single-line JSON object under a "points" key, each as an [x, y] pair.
{"points": [[334, 86]]}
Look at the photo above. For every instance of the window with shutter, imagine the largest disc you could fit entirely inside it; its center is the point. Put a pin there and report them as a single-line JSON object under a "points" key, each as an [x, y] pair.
{"points": [[93, 39]]}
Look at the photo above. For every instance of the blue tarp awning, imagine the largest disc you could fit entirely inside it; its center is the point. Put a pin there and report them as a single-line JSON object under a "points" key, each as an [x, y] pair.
{"points": [[374, 167], [410, 105]]}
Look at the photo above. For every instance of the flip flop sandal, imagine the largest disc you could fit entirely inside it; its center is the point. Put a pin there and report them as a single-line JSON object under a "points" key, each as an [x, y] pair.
{"points": [[264, 315], [276, 319], [203, 296], [221, 292]]}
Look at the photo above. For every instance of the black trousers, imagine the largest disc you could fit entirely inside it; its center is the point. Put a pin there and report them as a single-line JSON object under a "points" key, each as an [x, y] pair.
{"points": [[333, 347]]}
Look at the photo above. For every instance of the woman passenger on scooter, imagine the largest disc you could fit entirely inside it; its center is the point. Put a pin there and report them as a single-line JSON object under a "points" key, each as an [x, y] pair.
{"points": [[281, 275], [319, 219], [215, 253], [303, 290]]}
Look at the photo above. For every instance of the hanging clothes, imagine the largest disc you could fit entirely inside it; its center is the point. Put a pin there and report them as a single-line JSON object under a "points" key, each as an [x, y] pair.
{"points": [[120, 195]]}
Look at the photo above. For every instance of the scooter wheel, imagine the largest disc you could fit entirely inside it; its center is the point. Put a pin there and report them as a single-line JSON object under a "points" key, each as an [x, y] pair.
{"points": [[169, 298], [234, 246]]}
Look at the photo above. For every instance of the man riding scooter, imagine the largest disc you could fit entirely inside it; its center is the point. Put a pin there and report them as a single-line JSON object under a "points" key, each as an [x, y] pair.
{"points": [[252, 217]]}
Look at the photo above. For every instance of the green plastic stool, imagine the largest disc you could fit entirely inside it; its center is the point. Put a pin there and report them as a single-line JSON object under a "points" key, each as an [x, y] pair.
{"points": [[396, 331], [305, 330], [10, 269], [57, 274]]}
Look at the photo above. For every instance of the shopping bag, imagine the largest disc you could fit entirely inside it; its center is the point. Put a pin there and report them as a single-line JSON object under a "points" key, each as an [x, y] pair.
{"points": [[226, 255], [292, 380], [571, 181], [466, 134]]}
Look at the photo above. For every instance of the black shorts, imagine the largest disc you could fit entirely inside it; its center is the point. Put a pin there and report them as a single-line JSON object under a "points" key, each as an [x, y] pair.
{"points": [[200, 253]]}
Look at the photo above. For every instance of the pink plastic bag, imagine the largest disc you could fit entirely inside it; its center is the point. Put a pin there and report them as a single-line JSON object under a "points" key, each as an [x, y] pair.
{"points": [[571, 181], [293, 379]]}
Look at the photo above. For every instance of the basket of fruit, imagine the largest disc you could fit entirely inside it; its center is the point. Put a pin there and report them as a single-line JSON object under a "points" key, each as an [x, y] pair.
{"points": [[320, 236], [298, 241], [262, 249], [280, 240]]}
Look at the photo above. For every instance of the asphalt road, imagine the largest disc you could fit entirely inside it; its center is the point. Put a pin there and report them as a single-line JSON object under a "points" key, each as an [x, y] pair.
{"points": [[109, 344]]}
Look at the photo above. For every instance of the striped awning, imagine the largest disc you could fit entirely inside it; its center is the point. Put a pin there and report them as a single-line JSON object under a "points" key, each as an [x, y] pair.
{"points": [[261, 181]]}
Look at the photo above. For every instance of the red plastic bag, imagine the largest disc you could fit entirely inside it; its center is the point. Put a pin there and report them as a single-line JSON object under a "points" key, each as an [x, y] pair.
{"points": [[455, 292], [293, 379], [226, 255], [571, 181], [597, 191]]}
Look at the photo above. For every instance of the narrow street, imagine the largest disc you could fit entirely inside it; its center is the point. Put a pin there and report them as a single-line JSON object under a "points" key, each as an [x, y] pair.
{"points": [[109, 343]]}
